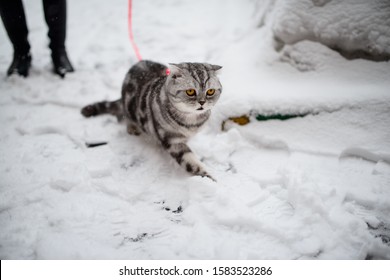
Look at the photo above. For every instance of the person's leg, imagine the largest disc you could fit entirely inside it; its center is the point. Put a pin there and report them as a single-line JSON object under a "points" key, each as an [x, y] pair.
{"points": [[12, 14], [55, 16]]}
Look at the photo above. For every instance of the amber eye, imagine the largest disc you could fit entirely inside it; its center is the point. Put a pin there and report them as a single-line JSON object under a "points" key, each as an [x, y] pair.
{"points": [[190, 92], [210, 92]]}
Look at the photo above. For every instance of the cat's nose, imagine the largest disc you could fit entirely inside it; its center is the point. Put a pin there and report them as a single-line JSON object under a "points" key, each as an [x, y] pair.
{"points": [[202, 102]]}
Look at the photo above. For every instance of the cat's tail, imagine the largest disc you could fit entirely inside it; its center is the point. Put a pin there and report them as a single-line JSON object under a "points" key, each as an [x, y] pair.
{"points": [[105, 107]]}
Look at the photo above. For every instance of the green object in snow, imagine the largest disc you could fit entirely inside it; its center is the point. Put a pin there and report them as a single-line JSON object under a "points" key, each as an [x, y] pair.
{"points": [[245, 119], [281, 117]]}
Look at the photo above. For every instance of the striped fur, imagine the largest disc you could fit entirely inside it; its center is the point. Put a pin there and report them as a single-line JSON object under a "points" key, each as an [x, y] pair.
{"points": [[159, 106]]}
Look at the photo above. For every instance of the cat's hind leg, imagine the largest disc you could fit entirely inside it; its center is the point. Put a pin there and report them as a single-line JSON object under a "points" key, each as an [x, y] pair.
{"points": [[133, 129]]}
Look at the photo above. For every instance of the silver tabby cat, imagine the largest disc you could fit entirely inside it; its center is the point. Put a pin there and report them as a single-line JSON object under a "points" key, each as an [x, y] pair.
{"points": [[169, 108]]}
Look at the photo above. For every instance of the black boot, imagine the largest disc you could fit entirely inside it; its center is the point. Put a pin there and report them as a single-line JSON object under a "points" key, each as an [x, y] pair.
{"points": [[21, 64], [12, 14], [61, 63], [55, 16]]}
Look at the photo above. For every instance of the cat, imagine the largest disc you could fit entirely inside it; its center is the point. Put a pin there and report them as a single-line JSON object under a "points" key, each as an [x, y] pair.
{"points": [[169, 107]]}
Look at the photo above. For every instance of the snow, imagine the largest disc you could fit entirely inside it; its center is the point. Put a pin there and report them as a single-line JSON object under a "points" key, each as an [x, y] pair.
{"points": [[352, 25], [313, 187]]}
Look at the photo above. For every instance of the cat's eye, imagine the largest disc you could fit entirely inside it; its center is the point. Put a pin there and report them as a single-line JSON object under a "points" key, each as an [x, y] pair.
{"points": [[190, 92], [210, 92]]}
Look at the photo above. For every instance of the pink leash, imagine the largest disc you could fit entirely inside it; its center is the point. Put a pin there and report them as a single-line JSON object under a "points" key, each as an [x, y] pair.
{"points": [[131, 36]]}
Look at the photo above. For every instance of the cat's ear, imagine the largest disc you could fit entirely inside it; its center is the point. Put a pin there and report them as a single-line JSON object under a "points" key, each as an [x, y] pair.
{"points": [[175, 71], [215, 67]]}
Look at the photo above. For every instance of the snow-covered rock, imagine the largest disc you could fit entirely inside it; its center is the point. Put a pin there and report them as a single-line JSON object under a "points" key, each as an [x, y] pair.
{"points": [[355, 28]]}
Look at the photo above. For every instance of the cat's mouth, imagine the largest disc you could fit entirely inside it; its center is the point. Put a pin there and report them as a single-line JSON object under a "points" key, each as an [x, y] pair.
{"points": [[200, 109]]}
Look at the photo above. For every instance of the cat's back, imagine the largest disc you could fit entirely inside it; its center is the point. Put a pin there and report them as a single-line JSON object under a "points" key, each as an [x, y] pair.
{"points": [[144, 71]]}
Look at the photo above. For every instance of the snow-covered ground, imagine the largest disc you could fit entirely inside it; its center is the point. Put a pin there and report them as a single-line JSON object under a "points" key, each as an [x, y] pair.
{"points": [[316, 186]]}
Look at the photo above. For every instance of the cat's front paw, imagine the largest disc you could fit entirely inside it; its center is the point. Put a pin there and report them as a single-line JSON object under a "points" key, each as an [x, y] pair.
{"points": [[205, 174]]}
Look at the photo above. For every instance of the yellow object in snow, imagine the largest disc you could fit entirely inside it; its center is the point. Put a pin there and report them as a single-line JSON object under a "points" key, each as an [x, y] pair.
{"points": [[242, 120]]}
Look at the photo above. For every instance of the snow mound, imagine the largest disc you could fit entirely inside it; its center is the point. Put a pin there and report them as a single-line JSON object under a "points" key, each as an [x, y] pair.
{"points": [[355, 28]]}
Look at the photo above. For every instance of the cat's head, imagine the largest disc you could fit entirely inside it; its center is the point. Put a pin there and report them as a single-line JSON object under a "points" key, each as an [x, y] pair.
{"points": [[193, 87]]}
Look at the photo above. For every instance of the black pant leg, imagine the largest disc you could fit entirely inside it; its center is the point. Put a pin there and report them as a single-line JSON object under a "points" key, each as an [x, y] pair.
{"points": [[14, 19], [55, 16]]}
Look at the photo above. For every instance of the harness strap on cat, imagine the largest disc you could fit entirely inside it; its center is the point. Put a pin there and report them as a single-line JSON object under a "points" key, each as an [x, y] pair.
{"points": [[130, 27]]}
